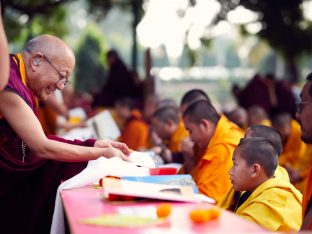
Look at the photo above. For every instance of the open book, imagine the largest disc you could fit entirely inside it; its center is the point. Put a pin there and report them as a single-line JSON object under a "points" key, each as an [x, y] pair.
{"points": [[104, 126], [152, 191]]}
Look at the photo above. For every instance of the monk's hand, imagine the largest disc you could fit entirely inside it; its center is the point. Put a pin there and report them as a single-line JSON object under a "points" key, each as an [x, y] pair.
{"points": [[102, 144], [114, 152], [121, 146]]}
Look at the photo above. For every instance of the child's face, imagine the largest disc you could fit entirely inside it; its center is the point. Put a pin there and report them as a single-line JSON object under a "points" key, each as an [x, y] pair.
{"points": [[240, 173]]}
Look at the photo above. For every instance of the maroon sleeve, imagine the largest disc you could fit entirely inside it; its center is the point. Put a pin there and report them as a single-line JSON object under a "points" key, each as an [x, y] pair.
{"points": [[89, 142]]}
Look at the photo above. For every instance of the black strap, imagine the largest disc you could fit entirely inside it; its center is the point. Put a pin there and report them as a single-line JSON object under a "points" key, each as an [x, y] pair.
{"points": [[242, 199]]}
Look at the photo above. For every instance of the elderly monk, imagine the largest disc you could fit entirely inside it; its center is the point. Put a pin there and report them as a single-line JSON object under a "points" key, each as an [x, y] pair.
{"points": [[32, 165], [216, 138], [304, 116], [4, 55]]}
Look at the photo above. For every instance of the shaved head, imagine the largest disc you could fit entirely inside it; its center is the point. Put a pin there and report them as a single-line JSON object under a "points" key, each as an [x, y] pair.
{"points": [[267, 133], [202, 110], [52, 47], [259, 150], [166, 114], [191, 97], [256, 114], [281, 120]]}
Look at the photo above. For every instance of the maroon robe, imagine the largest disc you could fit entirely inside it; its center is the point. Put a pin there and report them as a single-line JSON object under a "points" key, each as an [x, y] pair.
{"points": [[28, 188]]}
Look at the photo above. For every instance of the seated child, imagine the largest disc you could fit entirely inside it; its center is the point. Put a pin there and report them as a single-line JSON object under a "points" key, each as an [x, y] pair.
{"points": [[269, 201], [229, 200]]}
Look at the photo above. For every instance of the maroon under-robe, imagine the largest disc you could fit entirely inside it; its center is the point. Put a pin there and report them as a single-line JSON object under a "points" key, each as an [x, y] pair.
{"points": [[28, 188]]}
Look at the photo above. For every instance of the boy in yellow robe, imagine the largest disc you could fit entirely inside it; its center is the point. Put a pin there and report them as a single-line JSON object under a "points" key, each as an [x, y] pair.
{"points": [[215, 138], [230, 199], [268, 201], [167, 124]]}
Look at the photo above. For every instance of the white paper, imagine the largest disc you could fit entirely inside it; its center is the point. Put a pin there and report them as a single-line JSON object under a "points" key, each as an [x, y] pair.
{"points": [[104, 126], [143, 159], [95, 170]]}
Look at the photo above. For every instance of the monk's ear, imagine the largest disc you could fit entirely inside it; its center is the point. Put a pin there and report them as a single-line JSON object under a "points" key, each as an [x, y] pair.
{"points": [[36, 59], [255, 170]]}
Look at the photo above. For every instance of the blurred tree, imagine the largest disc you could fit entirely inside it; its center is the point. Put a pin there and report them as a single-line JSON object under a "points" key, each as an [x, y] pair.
{"points": [[283, 27], [28, 18], [101, 7], [90, 56]]}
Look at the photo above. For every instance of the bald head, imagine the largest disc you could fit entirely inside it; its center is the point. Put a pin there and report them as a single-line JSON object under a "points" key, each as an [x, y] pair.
{"points": [[49, 62], [166, 114], [267, 133], [53, 48], [281, 120], [256, 114], [239, 117], [191, 97], [259, 150], [202, 110]]}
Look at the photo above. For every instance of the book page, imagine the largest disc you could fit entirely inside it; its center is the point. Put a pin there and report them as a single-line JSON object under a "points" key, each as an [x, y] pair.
{"points": [[104, 126]]}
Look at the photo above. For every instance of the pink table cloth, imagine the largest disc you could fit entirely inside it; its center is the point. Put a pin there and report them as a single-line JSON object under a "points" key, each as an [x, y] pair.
{"points": [[86, 203]]}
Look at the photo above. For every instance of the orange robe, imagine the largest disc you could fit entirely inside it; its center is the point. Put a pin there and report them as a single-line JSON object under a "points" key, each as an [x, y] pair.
{"points": [[266, 122], [135, 132], [297, 154], [211, 173], [294, 148], [174, 143], [307, 196]]}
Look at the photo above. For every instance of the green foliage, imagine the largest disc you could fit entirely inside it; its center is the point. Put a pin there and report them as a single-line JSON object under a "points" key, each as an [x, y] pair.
{"points": [[23, 21], [90, 70]]}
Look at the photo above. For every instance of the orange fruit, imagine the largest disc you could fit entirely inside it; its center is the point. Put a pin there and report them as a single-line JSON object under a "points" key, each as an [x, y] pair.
{"points": [[204, 215], [163, 210]]}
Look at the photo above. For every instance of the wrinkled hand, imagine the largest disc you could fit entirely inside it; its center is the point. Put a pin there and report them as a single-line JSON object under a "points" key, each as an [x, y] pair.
{"points": [[114, 152], [118, 145]]}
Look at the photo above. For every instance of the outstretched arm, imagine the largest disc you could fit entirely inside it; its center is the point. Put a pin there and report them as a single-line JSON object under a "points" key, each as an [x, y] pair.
{"points": [[24, 122]]}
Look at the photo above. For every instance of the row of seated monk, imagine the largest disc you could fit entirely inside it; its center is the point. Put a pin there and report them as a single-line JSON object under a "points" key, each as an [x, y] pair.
{"points": [[238, 166], [165, 128]]}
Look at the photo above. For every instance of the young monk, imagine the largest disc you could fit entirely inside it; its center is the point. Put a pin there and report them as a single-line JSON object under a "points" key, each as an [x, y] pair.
{"points": [[215, 138], [230, 199], [135, 131], [268, 201], [192, 96], [187, 146], [167, 124]]}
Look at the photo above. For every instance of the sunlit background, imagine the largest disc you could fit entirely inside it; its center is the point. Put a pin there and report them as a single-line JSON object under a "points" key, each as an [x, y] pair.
{"points": [[201, 43]]}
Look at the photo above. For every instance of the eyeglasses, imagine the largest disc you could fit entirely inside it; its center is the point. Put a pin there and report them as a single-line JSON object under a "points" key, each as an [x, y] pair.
{"points": [[62, 79], [299, 106]]}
